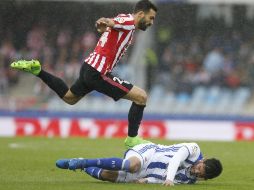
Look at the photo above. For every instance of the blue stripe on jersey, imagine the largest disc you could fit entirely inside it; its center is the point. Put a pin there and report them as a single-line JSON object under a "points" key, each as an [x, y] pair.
{"points": [[200, 157], [160, 165], [147, 147], [173, 149], [189, 162], [158, 149], [156, 176], [170, 156]]}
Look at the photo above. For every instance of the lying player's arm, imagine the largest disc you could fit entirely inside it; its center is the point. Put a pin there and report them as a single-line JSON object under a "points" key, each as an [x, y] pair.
{"points": [[179, 157], [102, 24]]}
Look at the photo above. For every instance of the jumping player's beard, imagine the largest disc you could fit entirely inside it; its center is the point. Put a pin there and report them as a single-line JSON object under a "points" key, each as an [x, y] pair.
{"points": [[142, 24]]}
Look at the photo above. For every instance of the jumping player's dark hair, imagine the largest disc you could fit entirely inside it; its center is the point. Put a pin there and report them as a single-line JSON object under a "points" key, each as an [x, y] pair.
{"points": [[144, 5], [213, 168]]}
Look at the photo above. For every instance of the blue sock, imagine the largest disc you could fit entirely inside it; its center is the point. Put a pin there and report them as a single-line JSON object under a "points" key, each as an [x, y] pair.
{"points": [[94, 172], [109, 163]]}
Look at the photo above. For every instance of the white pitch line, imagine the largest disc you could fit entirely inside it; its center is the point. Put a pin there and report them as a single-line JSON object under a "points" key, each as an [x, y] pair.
{"points": [[15, 145]]}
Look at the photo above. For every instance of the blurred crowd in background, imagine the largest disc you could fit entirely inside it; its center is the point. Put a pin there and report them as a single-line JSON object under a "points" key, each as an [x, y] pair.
{"points": [[187, 53], [51, 32]]}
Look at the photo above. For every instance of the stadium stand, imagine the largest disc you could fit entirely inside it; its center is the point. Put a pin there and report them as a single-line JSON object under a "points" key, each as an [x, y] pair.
{"points": [[191, 70]]}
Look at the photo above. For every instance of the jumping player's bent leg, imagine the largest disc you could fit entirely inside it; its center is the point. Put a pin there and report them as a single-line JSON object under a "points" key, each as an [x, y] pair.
{"points": [[71, 98], [55, 83], [139, 99], [117, 88], [137, 95]]}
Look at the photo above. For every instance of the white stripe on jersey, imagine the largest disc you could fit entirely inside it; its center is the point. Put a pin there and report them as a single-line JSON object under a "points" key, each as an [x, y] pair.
{"points": [[119, 36], [125, 27], [96, 60], [91, 59], [126, 40], [127, 17], [101, 63]]}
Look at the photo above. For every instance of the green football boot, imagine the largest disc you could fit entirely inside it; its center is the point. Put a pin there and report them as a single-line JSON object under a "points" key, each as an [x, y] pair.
{"points": [[32, 66], [133, 141]]}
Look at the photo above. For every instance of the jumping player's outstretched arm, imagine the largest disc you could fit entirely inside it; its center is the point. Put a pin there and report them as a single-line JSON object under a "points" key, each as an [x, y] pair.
{"points": [[120, 22], [102, 24]]}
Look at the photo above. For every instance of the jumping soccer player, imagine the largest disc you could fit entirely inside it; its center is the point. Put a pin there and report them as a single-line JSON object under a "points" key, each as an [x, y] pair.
{"points": [[150, 163], [95, 73]]}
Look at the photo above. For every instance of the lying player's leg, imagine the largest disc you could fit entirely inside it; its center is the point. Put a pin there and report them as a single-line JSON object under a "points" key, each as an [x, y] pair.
{"points": [[132, 164], [112, 176], [102, 174]]}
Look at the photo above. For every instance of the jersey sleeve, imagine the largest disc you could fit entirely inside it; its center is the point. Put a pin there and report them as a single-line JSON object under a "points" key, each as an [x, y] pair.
{"points": [[124, 22], [194, 153], [181, 155], [189, 152]]}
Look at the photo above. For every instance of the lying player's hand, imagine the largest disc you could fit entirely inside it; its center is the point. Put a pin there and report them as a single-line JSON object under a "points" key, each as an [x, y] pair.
{"points": [[168, 183], [142, 180]]}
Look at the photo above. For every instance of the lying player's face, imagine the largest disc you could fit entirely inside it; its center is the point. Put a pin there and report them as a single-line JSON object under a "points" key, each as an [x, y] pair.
{"points": [[198, 169], [147, 20]]}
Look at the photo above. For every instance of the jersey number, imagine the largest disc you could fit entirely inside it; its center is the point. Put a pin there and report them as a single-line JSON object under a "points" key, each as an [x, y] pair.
{"points": [[116, 79]]}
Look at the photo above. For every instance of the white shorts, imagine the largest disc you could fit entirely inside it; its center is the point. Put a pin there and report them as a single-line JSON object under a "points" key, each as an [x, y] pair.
{"points": [[144, 152]]}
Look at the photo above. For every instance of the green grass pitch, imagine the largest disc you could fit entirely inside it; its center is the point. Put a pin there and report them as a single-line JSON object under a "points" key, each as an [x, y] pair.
{"points": [[29, 163]]}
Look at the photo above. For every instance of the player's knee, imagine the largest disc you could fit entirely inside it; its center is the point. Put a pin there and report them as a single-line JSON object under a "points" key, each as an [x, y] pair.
{"points": [[142, 98], [70, 100]]}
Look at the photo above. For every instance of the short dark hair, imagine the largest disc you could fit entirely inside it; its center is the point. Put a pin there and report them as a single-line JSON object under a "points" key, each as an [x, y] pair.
{"points": [[144, 5], [213, 168]]}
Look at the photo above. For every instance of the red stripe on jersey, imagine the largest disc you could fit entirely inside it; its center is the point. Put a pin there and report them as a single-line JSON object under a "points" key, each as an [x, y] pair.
{"points": [[109, 80]]}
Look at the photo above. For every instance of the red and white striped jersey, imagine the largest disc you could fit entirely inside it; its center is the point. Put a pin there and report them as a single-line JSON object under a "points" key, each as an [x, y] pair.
{"points": [[113, 44]]}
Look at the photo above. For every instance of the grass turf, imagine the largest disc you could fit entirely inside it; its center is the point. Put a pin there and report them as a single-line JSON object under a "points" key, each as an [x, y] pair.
{"points": [[29, 163]]}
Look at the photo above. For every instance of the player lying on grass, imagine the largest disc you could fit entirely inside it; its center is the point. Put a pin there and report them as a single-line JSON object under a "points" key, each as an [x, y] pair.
{"points": [[150, 163]]}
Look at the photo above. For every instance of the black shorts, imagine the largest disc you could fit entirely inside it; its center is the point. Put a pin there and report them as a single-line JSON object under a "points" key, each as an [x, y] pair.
{"points": [[90, 79]]}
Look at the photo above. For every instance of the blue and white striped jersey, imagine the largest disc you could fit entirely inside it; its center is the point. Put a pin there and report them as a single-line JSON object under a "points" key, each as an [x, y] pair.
{"points": [[161, 162]]}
